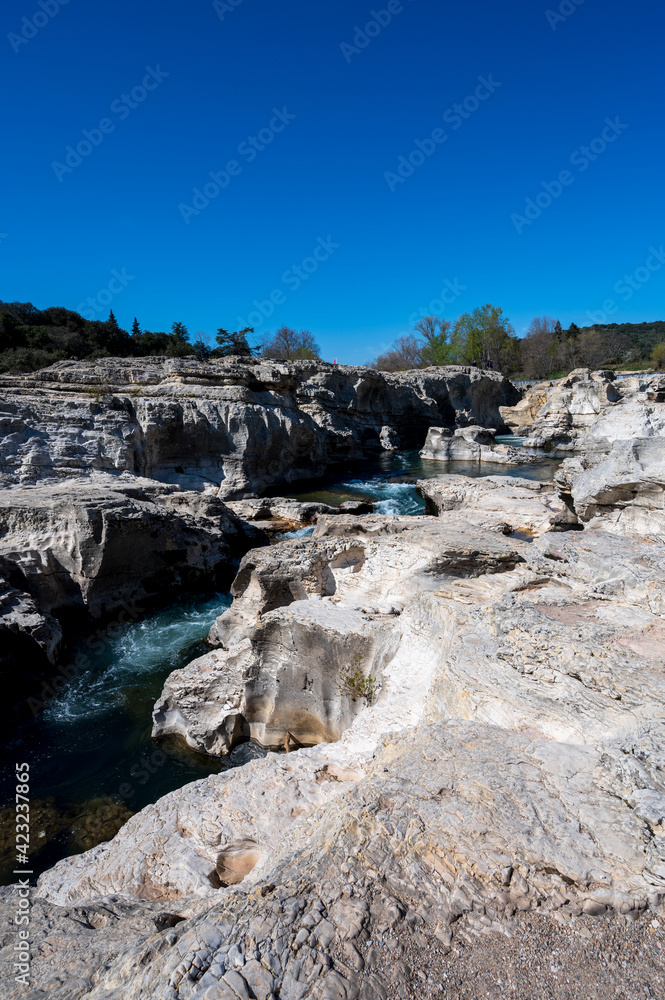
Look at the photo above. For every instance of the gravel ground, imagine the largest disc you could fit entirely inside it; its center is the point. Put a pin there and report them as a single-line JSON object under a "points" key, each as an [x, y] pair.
{"points": [[537, 958]]}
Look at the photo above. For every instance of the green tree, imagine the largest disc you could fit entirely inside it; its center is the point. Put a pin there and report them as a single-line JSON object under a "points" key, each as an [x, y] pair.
{"points": [[233, 344], [485, 338], [179, 331], [658, 356], [112, 321], [437, 349], [136, 329]]}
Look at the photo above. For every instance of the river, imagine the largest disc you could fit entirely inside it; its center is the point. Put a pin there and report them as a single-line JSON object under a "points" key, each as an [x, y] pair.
{"points": [[92, 759]]}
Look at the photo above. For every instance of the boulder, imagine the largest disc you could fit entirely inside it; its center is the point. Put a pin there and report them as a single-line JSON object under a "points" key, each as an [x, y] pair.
{"points": [[495, 503], [296, 649], [587, 411], [472, 444], [90, 546]]}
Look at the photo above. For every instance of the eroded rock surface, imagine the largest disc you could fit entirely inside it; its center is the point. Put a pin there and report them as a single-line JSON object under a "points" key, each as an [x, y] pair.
{"points": [[308, 618], [90, 546], [246, 424], [509, 759], [471, 444], [511, 504], [587, 411], [621, 490]]}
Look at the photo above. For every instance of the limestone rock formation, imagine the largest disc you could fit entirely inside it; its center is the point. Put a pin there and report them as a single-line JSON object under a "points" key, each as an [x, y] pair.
{"points": [[302, 646], [246, 424], [471, 444], [588, 411], [278, 514], [465, 712], [29, 639], [622, 490], [509, 761], [518, 505], [90, 545]]}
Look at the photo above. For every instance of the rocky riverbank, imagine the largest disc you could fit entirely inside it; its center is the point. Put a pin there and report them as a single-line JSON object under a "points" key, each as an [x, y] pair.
{"points": [[240, 426], [465, 713], [113, 472]]}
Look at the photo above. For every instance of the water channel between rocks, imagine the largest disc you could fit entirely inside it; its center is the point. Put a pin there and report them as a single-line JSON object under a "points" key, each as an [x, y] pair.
{"points": [[92, 759]]}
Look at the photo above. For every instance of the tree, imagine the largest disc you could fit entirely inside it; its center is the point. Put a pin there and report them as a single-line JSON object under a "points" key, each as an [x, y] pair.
{"points": [[573, 332], [483, 336], [658, 356], [406, 353], [233, 344], [591, 348], [437, 349], [539, 348], [201, 348], [179, 331], [288, 345], [112, 321], [136, 329]]}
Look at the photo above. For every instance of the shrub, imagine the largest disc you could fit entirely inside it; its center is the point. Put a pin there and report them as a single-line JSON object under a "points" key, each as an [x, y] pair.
{"points": [[658, 355], [355, 684]]}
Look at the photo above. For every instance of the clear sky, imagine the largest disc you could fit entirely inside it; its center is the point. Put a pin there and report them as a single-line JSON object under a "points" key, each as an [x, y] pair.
{"points": [[312, 211]]}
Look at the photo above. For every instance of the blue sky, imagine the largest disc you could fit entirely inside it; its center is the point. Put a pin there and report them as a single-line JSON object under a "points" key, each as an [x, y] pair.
{"points": [[334, 115]]}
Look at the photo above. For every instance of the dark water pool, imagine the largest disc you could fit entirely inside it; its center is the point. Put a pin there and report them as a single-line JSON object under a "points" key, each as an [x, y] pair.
{"points": [[92, 759]]}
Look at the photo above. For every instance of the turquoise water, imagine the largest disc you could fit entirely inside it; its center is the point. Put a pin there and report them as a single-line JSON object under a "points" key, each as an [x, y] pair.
{"points": [[389, 480], [92, 758]]}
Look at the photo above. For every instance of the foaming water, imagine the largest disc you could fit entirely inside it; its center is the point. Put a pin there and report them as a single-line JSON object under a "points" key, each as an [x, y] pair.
{"points": [[123, 656], [284, 536], [92, 758], [389, 480], [388, 498]]}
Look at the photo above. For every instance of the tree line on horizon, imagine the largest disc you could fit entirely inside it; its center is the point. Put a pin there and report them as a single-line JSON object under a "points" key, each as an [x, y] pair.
{"points": [[485, 338], [31, 339]]}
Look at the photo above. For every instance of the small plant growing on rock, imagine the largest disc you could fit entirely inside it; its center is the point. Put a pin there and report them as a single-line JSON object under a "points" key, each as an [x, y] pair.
{"points": [[355, 684]]}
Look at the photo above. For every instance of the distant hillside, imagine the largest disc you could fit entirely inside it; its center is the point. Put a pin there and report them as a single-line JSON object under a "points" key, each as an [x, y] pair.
{"points": [[32, 338], [643, 336], [548, 350]]}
